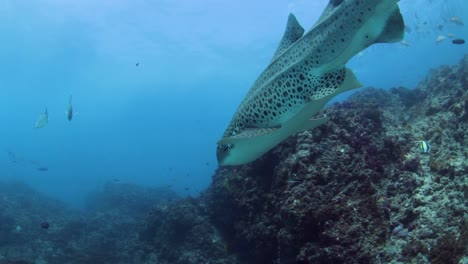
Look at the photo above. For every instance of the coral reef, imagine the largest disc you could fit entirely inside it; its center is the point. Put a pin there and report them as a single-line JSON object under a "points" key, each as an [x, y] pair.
{"points": [[358, 189], [106, 232], [182, 233]]}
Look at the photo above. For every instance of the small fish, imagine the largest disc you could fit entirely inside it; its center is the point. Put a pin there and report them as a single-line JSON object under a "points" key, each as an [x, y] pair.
{"points": [[450, 35], [424, 146], [43, 169], [440, 38], [405, 43], [137, 64], [458, 41], [69, 111], [294, 181], [457, 21], [42, 120], [12, 156], [45, 225]]}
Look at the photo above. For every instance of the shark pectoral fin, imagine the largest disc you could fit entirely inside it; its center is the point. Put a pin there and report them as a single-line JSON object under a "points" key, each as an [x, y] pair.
{"points": [[312, 123], [394, 29], [249, 133], [228, 141], [350, 82]]}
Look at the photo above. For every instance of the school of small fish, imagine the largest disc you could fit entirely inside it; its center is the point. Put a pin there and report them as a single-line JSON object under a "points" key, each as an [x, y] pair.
{"points": [[440, 38]]}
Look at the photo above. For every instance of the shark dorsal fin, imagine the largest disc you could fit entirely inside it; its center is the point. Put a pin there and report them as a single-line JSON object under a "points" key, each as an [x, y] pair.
{"points": [[293, 32]]}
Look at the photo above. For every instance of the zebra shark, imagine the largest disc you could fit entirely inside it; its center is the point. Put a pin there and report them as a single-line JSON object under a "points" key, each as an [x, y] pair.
{"points": [[306, 71]]}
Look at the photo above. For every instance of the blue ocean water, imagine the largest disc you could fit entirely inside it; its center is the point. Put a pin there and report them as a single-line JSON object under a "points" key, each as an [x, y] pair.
{"points": [[157, 123]]}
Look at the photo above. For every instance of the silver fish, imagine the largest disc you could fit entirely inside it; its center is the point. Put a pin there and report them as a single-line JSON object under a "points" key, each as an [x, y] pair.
{"points": [[42, 120]]}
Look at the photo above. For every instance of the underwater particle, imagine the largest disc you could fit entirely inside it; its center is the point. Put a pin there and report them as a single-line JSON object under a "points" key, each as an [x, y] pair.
{"points": [[43, 169], [42, 120], [424, 147], [45, 225], [457, 21], [137, 64], [458, 41], [450, 35], [439, 39], [18, 228]]}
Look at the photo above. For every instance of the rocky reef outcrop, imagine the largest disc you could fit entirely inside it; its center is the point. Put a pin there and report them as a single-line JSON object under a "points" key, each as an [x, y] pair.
{"points": [[358, 189]]}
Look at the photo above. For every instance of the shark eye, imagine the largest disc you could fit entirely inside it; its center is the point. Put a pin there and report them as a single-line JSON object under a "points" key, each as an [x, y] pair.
{"points": [[336, 2]]}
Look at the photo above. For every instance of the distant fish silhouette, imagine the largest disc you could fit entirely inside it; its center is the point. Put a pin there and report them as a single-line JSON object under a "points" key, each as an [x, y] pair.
{"points": [[458, 41], [14, 157], [137, 64], [405, 43], [69, 111], [45, 225], [457, 21], [42, 120], [43, 169]]}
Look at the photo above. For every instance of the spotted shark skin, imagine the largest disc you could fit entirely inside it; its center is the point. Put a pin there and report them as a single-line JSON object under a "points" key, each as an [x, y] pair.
{"points": [[306, 71]]}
